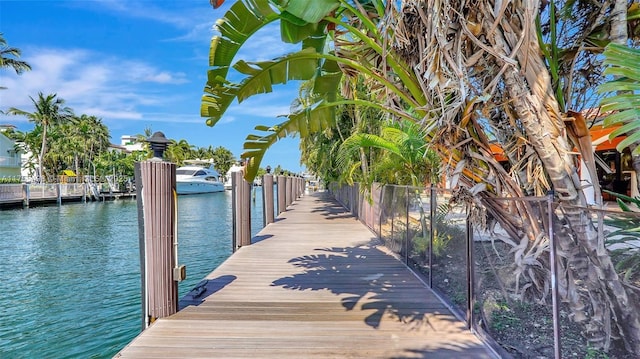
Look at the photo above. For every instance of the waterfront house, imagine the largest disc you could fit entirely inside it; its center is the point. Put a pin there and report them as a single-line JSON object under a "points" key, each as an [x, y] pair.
{"points": [[10, 162], [614, 169]]}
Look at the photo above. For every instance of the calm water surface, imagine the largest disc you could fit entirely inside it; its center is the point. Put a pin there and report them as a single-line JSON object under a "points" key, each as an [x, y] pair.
{"points": [[70, 275]]}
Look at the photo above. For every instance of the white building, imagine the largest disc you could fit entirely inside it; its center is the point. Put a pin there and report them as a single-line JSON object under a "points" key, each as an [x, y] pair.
{"points": [[10, 162], [131, 143]]}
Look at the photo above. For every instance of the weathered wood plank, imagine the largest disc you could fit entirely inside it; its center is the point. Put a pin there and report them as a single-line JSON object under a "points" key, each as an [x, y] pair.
{"points": [[315, 284]]}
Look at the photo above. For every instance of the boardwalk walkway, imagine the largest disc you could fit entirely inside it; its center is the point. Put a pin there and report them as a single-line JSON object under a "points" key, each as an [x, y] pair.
{"points": [[315, 284]]}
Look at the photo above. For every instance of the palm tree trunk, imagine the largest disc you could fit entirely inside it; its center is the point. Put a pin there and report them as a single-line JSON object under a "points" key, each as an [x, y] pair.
{"points": [[603, 295], [43, 149]]}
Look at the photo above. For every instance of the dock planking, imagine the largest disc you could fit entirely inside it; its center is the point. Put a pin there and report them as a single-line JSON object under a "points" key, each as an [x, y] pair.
{"points": [[314, 284]]}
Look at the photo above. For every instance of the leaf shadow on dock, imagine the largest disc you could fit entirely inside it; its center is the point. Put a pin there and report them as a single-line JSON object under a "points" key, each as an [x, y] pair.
{"points": [[334, 211], [346, 272], [260, 238], [370, 281], [205, 288]]}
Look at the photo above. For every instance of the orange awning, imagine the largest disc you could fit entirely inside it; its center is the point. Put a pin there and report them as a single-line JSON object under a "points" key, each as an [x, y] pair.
{"points": [[600, 138]]}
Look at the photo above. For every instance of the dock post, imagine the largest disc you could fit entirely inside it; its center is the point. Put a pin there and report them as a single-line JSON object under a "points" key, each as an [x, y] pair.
{"points": [[157, 223], [25, 195], [267, 197], [241, 210], [282, 190], [58, 194], [288, 189], [245, 223]]}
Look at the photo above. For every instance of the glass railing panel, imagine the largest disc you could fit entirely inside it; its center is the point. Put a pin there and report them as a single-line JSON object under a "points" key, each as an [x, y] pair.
{"points": [[606, 271], [420, 230], [449, 250], [510, 288], [386, 214]]}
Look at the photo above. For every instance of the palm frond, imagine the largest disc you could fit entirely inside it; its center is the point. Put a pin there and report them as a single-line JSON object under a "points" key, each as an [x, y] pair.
{"points": [[624, 63], [311, 120]]}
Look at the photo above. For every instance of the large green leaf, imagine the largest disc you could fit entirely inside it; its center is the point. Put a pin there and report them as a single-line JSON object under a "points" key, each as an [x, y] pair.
{"points": [[260, 78], [241, 21], [308, 121], [624, 106], [311, 11]]}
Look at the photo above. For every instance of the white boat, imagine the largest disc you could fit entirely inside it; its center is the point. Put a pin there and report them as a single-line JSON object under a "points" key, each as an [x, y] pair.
{"points": [[198, 176], [234, 168]]}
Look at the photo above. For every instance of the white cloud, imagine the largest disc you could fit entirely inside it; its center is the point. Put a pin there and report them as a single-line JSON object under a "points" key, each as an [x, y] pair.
{"points": [[91, 83], [195, 20], [265, 44]]}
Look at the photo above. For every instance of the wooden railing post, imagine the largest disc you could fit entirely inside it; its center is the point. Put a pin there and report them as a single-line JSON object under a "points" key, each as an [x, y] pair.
{"points": [[300, 187], [157, 220], [282, 194], [58, 194], [241, 210], [25, 195], [289, 195], [245, 240], [267, 198]]}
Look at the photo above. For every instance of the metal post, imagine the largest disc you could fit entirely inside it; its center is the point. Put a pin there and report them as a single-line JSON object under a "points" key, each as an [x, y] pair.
{"points": [[554, 283], [393, 197], [432, 214], [470, 272], [406, 229], [141, 244], [381, 204]]}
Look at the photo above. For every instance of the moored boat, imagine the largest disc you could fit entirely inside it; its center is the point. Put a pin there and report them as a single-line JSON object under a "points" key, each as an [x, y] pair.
{"points": [[234, 168], [198, 176]]}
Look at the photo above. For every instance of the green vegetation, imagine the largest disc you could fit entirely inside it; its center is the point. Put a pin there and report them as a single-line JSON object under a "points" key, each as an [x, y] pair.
{"points": [[61, 140], [9, 58], [9, 180], [472, 75]]}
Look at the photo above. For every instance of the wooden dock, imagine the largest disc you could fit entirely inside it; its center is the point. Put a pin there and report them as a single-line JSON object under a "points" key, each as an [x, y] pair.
{"points": [[315, 284]]}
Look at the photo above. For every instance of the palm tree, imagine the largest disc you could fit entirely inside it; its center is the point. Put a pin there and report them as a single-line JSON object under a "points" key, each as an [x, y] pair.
{"points": [[322, 64], [49, 111], [406, 159], [475, 75], [9, 58], [222, 158], [179, 151]]}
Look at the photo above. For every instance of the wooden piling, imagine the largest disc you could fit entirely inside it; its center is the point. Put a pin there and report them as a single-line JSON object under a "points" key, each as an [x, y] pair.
{"points": [[157, 215], [288, 189], [242, 210], [267, 199], [282, 193], [58, 194], [25, 195]]}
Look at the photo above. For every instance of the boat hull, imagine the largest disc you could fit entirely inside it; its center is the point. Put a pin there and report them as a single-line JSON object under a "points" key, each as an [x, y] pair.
{"points": [[196, 187]]}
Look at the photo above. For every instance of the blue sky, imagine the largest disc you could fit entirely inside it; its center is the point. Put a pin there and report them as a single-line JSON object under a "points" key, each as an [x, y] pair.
{"points": [[137, 64]]}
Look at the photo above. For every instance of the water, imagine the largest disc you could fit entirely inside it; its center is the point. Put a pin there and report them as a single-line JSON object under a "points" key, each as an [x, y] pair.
{"points": [[70, 275]]}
